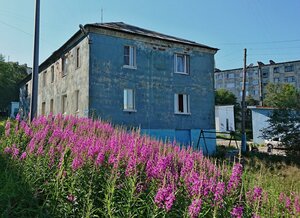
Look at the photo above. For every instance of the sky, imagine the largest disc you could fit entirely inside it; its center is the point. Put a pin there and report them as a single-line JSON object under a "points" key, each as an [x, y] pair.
{"points": [[268, 29]]}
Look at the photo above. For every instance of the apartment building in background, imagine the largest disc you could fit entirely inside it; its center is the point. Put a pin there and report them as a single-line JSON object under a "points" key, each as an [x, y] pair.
{"points": [[258, 77]]}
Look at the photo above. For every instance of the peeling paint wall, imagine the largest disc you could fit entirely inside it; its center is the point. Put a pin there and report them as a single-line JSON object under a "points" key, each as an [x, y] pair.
{"points": [[154, 82], [75, 79]]}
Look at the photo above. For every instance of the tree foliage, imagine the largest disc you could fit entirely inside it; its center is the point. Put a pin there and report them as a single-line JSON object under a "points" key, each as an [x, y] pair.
{"points": [[285, 119], [10, 75], [224, 97]]}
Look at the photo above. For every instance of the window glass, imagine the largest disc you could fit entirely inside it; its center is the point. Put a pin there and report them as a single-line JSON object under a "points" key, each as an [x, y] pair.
{"points": [[129, 99]]}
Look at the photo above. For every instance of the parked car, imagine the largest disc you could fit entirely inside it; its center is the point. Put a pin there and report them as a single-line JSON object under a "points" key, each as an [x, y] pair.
{"points": [[273, 143]]}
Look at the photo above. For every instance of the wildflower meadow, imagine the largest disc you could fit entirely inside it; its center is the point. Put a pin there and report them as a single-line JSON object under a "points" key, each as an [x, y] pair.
{"points": [[79, 167]]}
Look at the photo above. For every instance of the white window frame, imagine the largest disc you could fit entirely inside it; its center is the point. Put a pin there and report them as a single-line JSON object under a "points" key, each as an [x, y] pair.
{"points": [[131, 57], [76, 101], [64, 104], [129, 100], [186, 63], [186, 104]]}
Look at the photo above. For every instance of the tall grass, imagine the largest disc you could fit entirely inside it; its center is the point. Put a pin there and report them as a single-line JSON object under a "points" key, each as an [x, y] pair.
{"points": [[85, 168]]}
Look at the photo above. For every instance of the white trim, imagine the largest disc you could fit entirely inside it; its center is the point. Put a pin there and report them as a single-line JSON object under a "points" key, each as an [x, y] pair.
{"points": [[130, 67], [185, 63]]}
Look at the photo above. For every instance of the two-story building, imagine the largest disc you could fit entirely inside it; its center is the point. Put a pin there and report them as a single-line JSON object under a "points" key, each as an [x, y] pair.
{"points": [[131, 76]]}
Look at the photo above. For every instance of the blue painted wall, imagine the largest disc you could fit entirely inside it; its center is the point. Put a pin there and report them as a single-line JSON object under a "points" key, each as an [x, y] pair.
{"points": [[259, 121], [154, 82]]}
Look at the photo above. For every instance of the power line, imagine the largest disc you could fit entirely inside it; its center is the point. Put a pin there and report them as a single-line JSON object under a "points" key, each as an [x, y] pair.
{"points": [[14, 27], [269, 42]]}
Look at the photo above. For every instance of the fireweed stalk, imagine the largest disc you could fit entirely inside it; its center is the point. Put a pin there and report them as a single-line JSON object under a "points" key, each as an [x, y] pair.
{"points": [[84, 166]]}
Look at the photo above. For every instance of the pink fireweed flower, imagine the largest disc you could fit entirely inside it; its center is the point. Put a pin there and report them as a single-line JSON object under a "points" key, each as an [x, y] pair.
{"points": [[7, 128], [297, 204], [7, 150], [287, 203], [165, 197], [76, 163], [71, 198], [237, 212], [195, 208], [18, 117], [23, 155], [131, 166], [235, 177], [15, 151], [100, 159], [219, 192]]}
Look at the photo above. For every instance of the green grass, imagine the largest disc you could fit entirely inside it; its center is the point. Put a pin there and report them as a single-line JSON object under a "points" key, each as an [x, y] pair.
{"points": [[17, 199]]}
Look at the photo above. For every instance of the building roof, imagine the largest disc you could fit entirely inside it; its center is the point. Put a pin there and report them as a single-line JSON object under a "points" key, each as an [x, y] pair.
{"points": [[115, 26], [123, 27]]}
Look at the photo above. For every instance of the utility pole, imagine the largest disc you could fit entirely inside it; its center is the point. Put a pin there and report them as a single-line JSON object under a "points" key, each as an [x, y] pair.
{"points": [[35, 72], [260, 84], [243, 145]]}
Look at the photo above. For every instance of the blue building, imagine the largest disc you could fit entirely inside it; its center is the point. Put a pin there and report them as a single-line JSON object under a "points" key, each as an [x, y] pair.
{"points": [[134, 77]]}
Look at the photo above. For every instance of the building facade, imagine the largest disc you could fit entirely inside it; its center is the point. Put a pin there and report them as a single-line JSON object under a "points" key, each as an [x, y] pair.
{"points": [[133, 77], [258, 77]]}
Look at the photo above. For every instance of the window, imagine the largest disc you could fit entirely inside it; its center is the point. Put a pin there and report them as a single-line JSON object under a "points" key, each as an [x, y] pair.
{"points": [[45, 78], [219, 76], [52, 74], [64, 63], [289, 68], [182, 63], [230, 85], [230, 76], [255, 82], [289, 79], [276, 70], [64, 104], [129, 56], [181, 103], [51, 106], [77, 57], [276, 80], [43, 108], [255, 92], [129, 101], [76, 100]]}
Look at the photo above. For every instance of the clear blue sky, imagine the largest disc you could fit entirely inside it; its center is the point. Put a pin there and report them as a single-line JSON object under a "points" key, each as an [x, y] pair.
{"points": [[269, 29]]}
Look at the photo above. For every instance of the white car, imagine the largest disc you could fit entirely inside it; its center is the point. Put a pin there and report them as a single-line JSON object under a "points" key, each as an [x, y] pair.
{"points": [[273, 143]]}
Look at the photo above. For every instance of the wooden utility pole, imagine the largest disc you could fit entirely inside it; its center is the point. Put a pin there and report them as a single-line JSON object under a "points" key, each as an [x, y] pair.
{"points": [[35, 72], [243, 145]]}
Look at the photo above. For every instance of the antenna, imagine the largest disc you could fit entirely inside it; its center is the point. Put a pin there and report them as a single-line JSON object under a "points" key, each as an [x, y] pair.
{"points": [[101, 15]]}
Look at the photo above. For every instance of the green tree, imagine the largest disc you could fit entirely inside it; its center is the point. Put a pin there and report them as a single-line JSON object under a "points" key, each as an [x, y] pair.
{"points": [[250, 101], [10, 75], [285, 119], [224, 97]]}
